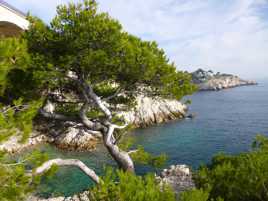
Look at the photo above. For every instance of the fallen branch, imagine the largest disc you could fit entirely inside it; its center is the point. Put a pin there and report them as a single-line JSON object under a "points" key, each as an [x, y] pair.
{"points": [[68, 162]]}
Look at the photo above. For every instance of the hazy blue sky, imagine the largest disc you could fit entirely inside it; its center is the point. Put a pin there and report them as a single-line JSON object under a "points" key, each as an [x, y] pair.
{"points": [[223, 35]]}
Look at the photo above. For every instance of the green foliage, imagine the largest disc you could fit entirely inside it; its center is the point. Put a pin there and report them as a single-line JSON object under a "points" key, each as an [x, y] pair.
{"points": [[143, 157], [70, 109], [126, 143], [94, 46], [17, 119], [122, 186], [140, 156], [51, 172], [197, 195], [188, 102], [194, 195], [243, 177], [13, 56], [105, 89], [260, 143], [16, 184]]}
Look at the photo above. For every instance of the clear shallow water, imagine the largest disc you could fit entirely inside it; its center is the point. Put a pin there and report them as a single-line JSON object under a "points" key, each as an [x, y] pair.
{"points": [[227, 121]]}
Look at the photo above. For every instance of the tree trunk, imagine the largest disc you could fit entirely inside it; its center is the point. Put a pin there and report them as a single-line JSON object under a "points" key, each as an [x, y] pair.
{"points": [[122, 158]]}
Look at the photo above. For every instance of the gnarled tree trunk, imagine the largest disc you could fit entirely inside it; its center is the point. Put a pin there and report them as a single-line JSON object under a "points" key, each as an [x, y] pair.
{"points": [[122, 158], [104, 125]]}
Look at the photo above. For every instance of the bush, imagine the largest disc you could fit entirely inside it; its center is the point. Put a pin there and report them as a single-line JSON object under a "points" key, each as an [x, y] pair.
{"points": [[124, 186], [238, 178]]}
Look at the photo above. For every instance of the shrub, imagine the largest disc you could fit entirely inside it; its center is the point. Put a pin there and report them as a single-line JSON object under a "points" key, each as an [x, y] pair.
{"points": [[124, 186], [238, 178]]}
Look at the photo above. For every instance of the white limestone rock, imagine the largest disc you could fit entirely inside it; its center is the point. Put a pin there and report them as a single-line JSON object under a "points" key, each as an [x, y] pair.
{"points": [[156, 110], [208, 81], [179, 177], [13, 144], [74, 136], [77, 138]]}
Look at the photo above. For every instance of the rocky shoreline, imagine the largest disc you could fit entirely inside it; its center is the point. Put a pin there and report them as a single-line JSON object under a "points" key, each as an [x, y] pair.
{"points": [[154, 110], [210, 81], [73, 136], [178, 177]]}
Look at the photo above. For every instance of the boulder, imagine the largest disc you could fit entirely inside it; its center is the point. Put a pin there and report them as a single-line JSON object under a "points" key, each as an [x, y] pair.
{"points": [[78, 138], [178, 177]]}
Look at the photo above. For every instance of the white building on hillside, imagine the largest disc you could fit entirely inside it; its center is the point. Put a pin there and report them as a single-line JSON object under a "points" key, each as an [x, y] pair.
{"points": [[12, 21]]}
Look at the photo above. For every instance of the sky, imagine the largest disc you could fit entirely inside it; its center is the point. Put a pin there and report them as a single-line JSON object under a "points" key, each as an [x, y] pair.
{"points": [[229, 36]]}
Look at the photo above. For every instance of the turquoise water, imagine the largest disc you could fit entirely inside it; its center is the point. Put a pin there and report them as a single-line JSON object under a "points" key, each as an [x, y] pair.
{"points": [[227, 121]]}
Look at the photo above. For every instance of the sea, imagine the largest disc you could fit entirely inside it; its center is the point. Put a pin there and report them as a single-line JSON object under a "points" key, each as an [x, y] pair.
{"points": [[225, 121]]}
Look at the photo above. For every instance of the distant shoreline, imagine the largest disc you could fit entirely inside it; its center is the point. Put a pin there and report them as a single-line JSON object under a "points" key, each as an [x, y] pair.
{"points": [[210, 81]]}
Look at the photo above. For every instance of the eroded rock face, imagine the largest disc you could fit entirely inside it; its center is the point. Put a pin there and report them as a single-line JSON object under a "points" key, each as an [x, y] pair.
{"points": [[13, 145], [65, 135], [74, 136], [149, 111], [209, 81], [179, 177]]}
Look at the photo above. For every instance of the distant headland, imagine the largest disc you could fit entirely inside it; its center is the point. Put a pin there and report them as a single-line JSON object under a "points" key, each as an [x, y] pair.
{"points": [[210, 81]]}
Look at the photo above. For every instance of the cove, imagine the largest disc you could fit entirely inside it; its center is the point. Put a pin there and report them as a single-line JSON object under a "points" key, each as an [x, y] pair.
{"points": [[226, 121]]}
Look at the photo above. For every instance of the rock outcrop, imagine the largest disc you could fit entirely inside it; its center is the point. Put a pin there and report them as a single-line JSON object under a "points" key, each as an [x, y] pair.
{"points": [[70, 135], [74, 136], [209, 81], [13, 144], [149, 111], [178, 177]]}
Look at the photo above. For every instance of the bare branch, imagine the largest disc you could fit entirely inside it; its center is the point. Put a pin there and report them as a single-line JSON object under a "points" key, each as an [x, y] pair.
{"points": [[108, 123], [56, 116], [94, 126], [118, 91], [68, 162], [133, 151], [104, 126], [121, 157], [15, 164], [16, 107], [97, 100], [120, 127]]}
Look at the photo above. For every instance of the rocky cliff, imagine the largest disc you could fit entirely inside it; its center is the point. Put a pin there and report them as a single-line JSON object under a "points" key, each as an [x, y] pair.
{"points": [[149, 111], [210, 81], [74, 136]]}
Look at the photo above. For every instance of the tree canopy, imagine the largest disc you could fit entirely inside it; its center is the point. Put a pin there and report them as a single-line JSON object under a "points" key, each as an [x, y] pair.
{"points": [[83, 55], [94, 47], [86, 55]]}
